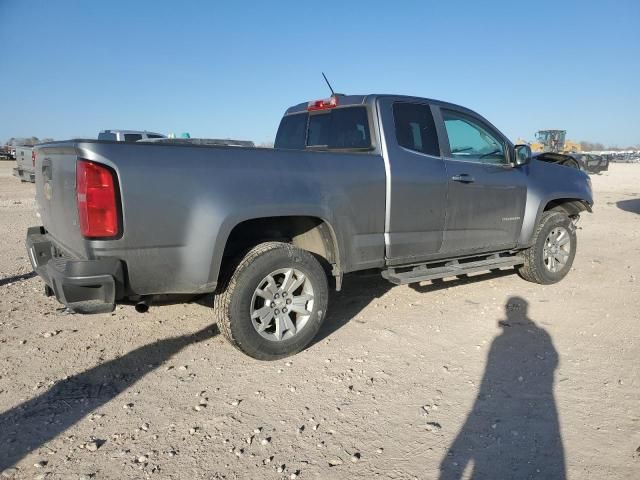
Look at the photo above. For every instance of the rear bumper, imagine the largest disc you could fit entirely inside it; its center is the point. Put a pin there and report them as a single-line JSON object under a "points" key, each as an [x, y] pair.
{"points": [[84, 286]]}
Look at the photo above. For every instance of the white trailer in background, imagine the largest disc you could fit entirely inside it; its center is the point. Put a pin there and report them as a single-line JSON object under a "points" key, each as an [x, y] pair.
{"points": [[25, 164]]}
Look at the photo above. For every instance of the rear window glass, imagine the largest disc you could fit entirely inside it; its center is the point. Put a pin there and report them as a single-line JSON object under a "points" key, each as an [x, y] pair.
{"points": [[292, 132], [107, 136], [132, 137], [415, 128], [341, 128]]}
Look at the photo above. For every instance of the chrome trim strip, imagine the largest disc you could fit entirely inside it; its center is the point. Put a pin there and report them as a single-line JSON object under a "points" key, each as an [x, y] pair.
{"points": [[387, 170]]}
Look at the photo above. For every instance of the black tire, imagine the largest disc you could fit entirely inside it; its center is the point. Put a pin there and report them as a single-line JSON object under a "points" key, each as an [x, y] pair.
{"points": [[232, 302], [534, 268]]}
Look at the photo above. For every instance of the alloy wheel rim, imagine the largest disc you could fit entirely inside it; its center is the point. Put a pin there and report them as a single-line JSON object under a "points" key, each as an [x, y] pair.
{"points": [[282, 304], [557, 248]]}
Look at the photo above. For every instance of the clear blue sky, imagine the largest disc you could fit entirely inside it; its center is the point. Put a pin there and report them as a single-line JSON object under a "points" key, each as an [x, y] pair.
{"points": [[229, 69]]}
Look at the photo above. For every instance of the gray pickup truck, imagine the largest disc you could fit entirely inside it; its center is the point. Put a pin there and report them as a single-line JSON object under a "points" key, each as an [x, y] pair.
{"points": [[416, 188]]}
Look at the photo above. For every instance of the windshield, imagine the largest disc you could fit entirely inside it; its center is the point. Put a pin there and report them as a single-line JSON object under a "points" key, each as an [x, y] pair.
{"points": [[340, 128]]}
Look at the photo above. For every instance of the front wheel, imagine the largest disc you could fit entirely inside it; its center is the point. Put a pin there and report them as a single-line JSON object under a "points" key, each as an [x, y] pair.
{"points": [[550, 257], [274, 302]]}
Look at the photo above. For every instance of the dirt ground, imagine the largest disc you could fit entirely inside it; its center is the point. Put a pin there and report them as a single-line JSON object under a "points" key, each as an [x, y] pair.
{"points": [[489, 375]]}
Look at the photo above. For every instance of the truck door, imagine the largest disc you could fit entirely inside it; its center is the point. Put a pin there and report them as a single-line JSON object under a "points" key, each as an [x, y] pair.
{"points": [[416, 180], [487, 193]]}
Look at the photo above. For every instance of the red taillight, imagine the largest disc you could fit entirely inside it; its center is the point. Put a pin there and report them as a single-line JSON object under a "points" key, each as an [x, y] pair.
{"points": [[33, 158], [97, 203], [325, 104]]}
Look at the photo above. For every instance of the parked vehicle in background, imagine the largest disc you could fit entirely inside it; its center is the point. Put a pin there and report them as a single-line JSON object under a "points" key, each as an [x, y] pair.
{"points": [[220, 142], [594, 163], [587, 162], [128, 135], [25, 163], [7, 152], [625, 157], [419, 189], [551, 140], [564, 159]]}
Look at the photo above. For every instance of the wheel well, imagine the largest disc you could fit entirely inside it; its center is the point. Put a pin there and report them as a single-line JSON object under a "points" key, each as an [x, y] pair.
{"points": [[308, 233], [570, 206]]}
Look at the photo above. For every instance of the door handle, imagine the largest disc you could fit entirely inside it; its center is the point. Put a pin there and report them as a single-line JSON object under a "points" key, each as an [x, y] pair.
{"points": [[463, 178]]}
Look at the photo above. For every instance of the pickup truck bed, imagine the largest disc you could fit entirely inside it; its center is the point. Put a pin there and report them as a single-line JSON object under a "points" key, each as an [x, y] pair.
{"points": [[180, 223]]}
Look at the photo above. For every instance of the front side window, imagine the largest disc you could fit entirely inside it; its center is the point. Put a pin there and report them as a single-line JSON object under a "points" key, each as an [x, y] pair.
{"points": [[470, 141], [415, 128]]}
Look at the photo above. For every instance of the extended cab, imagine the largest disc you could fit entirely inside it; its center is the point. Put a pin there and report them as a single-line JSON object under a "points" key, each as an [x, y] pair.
{"points": [[416, 188]]}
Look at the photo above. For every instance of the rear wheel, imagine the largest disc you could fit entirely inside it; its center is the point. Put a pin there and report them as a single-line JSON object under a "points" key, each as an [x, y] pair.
{"points": [[550, 257], [273, 303]]}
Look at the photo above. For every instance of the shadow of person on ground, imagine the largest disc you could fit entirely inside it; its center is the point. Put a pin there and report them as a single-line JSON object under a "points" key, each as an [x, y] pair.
{"points": [[632, 205], [31, 424], [512, 431]]}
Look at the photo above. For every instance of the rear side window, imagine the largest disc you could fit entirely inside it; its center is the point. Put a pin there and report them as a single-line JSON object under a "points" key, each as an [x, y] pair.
{"points": [[132, 137], [107, 136], [415, 128], [340, 128], [154, 136], [292, 132]]}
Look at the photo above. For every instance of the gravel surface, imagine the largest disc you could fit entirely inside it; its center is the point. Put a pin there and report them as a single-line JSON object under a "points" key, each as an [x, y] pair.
{"points": [[491, 373]]}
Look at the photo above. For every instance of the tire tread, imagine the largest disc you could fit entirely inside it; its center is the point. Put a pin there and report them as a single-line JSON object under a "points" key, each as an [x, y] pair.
{"points": [[530, 270], [232, 279], [229, 280]]}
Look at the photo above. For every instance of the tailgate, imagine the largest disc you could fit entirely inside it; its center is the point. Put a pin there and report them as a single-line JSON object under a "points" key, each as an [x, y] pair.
{"points": [[56, 195]]}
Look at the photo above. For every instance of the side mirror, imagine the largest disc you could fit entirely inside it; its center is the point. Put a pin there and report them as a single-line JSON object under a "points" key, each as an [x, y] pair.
{"points": [[523, 154]]}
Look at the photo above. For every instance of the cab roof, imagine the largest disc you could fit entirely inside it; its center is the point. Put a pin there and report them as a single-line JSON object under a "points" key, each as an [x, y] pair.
{"points": [[352, 100]]}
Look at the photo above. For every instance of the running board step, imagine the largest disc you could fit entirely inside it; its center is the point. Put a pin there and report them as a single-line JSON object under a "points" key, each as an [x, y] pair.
{"points": [[421, 273]]}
